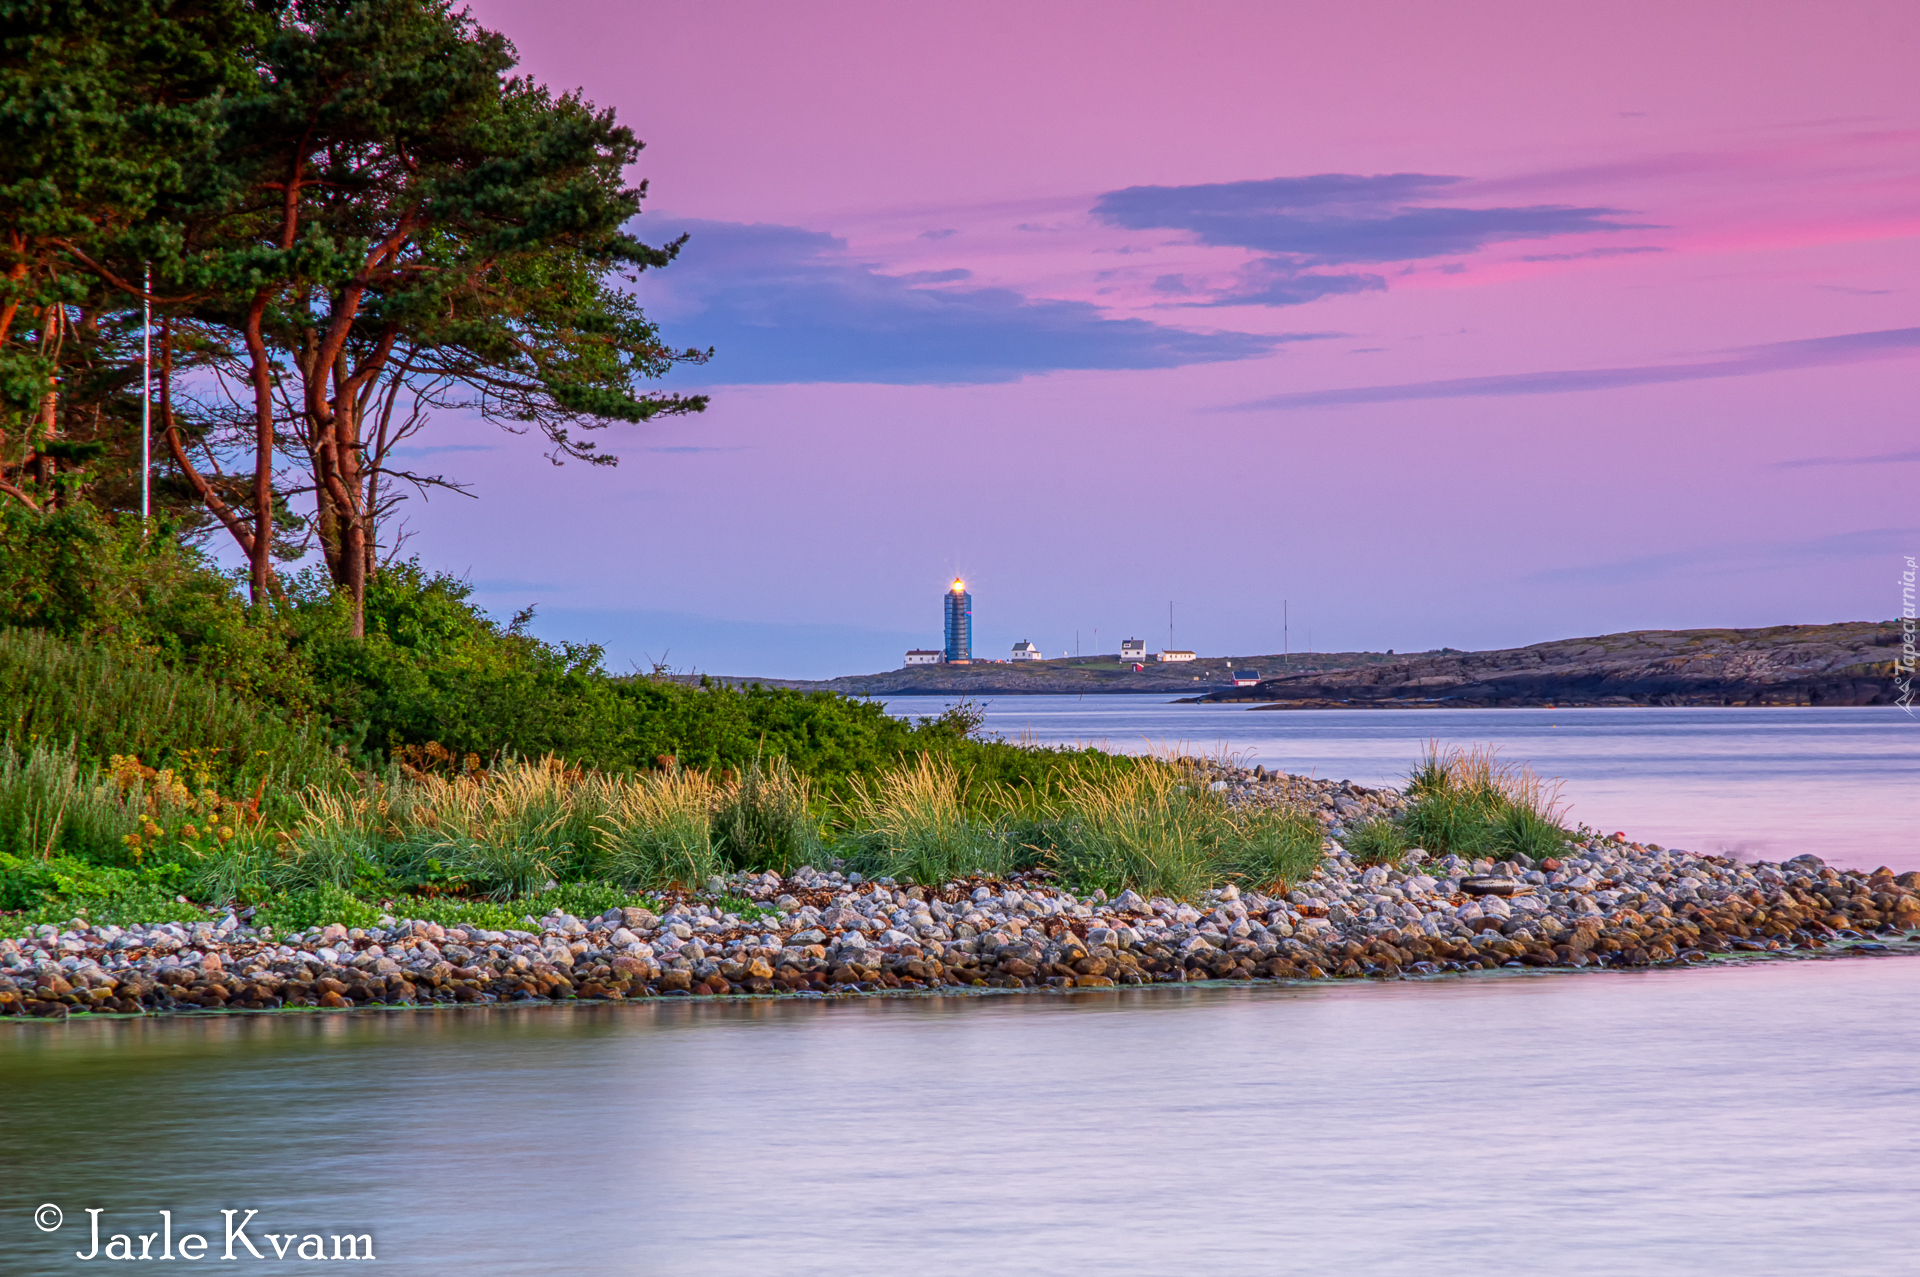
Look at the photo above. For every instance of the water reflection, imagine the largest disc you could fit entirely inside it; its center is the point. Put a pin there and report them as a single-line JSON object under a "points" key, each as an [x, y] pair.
{"points": [[1753, 1120]]}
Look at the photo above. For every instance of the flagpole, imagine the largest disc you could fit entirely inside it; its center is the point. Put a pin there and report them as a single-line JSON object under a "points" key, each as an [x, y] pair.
{"points": [[146, 398]]}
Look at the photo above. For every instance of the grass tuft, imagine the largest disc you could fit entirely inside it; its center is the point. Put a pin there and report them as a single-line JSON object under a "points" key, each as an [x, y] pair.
{"points": [[917, 823]]}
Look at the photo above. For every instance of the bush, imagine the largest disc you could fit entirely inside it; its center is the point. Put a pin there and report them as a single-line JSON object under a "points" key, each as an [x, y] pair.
{"points": [[86, 577], [762, 819], [315, 907], [658, 832], [916, 824], [1377, 841], [107, 702], [1275, 848], [35, 891]]}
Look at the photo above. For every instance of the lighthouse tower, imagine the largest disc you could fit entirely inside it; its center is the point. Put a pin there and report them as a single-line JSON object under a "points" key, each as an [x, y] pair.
{"points": [[959, 622]]}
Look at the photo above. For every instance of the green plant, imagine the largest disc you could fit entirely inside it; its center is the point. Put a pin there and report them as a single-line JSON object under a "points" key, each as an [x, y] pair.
{"points": [[35, 891], [1468, 803], [1275, 848], [1523, 830], [762, 821], [52, 804], [315, 907], [1152, 829], [659, 831], [916, 825], [1376, 841]]}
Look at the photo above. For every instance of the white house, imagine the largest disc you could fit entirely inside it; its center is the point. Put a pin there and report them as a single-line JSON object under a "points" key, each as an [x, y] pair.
{"points": [[1133, 650], [921, 656], [1178, 656], [1024, 650]]}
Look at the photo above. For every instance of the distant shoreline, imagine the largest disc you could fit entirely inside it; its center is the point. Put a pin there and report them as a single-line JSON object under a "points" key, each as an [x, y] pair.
{"points": [[1847, 663]]}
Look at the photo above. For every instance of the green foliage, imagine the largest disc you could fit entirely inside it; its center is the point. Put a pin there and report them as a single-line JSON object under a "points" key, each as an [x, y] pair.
{"points": [[762, 819], [297, 911], [1153, 830], [1522, 831], [110, 703], [1274, 848], [1468, 803], [86, 577], [34, 891], [659, 832], [917, 825], [106, 112], [316, 907], [1377, 841], [51, 805]]}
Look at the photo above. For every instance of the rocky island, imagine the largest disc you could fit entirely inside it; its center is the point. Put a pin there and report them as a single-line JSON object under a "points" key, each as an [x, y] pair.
{"points": [[1846, 664]]}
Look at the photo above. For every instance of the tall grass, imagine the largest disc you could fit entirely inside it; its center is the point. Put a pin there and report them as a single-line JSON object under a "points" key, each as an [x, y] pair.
{"points": [[53, 804], [919, 822], [116, 703], [1378, 841], [1151, 829], [658, 832], [1274, 848], [1467, 802], [513, 833], [762, 820]]}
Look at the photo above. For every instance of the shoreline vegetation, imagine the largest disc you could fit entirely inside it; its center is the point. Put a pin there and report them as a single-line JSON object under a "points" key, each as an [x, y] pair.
{"points": [[395, 799], [345, 784], [1242, 875]]}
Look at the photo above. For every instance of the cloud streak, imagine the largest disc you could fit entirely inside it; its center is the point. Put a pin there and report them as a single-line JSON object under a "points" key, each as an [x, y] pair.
{"points": [[1755, 556], [1882, 459], [783, 305], [1301, 225], [1748, 361]]}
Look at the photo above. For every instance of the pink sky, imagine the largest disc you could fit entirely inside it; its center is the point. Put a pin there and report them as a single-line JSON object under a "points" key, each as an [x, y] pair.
{"points": [[1678, 258]]}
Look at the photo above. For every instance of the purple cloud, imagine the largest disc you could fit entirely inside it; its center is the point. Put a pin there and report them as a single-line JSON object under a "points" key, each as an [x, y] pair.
{"points": [[1343, 218], [784, 305]]}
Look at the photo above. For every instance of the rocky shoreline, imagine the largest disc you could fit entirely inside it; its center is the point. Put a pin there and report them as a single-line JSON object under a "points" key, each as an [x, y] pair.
{"points": [[1608, 902]]}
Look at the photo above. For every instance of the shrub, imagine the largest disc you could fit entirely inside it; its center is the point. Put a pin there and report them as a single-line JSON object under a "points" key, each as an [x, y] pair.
{"points": [[35, 891], [106, 702], [316, 907], [915, 824], [1275, 848], [1376, 841], [762, 821], [658, 830]]}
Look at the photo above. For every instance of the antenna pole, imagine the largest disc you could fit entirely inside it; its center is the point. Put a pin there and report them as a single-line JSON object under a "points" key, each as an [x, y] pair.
{"points": [[146, 398]]}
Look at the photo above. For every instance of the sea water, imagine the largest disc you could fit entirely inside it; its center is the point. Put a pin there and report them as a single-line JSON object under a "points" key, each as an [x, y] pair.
{"points": [[1751, 1120]]}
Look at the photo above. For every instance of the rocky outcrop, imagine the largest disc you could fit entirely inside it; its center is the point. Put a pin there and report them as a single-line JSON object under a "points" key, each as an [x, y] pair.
{"points": [[1846, 664]]}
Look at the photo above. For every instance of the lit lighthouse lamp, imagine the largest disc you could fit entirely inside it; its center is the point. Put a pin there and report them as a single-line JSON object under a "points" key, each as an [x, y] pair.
{"points": [[958, 648]]}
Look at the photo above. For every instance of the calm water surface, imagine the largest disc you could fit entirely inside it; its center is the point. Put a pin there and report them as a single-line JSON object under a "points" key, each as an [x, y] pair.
{"points": [[1767, 784], [1751, 1121]]}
